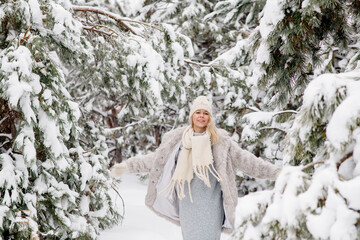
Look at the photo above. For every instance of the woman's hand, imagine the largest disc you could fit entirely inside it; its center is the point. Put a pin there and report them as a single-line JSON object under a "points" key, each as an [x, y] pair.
{"points": [[119, 169]]}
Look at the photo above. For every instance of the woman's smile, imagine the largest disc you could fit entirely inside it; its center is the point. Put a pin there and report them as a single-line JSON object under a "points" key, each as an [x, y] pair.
{"points": [[200, 119]]}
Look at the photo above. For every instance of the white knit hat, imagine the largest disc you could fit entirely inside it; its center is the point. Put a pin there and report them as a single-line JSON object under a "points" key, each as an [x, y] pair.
{"points": [[200, 102]]}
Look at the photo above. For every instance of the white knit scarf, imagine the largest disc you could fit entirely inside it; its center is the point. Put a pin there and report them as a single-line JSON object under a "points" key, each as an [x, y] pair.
{"points": [[195, 157]]}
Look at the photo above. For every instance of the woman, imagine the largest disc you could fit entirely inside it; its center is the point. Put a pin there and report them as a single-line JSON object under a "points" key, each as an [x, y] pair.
{"points": [[192, 175]]}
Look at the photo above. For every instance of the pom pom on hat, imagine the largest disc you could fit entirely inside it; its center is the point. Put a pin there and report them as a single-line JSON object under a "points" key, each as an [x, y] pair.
{"points": [[200, 102]]}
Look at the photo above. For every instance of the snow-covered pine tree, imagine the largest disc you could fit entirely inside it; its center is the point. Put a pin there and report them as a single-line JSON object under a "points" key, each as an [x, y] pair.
{"points": [[243, 95], [209, 36], [142, 80], [324, 204], [51, 184], [133, 87], [260, 95], [188, 18], [316, 205]]}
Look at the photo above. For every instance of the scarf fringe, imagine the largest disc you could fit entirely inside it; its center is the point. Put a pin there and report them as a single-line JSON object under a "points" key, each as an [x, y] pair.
{"points": [[214, 172], [180, 189], [202, 172]]}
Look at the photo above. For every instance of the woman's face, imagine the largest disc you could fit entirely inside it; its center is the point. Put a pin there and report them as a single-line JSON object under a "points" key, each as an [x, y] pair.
{"points": [[200, 119]]}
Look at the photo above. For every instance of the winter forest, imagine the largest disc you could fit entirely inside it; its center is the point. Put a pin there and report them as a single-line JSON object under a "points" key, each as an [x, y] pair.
{"points": [[88, 83]]}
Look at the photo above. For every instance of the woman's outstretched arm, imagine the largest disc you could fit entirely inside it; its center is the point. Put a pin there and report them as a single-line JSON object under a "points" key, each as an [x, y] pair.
{"points": [[138, 164], [251, 165]]}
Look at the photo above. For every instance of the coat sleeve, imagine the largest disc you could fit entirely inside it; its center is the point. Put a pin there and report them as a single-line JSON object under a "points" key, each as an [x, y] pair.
{"points": [[251, 165], [141, 164]]}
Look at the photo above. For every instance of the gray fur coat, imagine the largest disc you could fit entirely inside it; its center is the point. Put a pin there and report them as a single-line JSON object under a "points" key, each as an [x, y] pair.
{"points": [[228, 157]]}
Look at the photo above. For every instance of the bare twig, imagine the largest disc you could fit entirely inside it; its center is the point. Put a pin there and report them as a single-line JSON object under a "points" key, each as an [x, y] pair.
{"points": [[26, 36], [98, 31], [27, 31], [105, 13], [346, 157], [116, 187], [93, 28], [311, 165]]}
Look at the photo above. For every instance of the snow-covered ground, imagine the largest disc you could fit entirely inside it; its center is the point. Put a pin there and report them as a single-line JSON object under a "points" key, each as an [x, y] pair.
{"points": [[140, 222]]}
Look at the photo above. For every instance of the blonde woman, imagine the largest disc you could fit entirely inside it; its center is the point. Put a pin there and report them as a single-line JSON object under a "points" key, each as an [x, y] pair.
{"points": [[192, 175]]}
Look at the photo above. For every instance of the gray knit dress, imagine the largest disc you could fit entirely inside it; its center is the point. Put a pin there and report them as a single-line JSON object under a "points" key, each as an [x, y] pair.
{"points": [[203, 218]]}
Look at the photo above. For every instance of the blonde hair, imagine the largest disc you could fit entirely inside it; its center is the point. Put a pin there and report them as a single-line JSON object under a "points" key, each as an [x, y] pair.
{"points": [[211, 129]]}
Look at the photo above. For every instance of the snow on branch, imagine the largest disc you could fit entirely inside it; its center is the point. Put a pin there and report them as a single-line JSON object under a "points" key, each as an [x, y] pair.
{"points": [[273, 128], [251, 108], [105, 13], [116, 17], [110, 131], [285, 111], [2, 120], [7, 135], [121, 21], [202, 64], [4, 143]]}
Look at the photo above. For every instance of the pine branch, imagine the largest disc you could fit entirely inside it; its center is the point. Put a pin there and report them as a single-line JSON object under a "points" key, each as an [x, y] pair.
{"points": [[121, 21], [105, 13]]}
